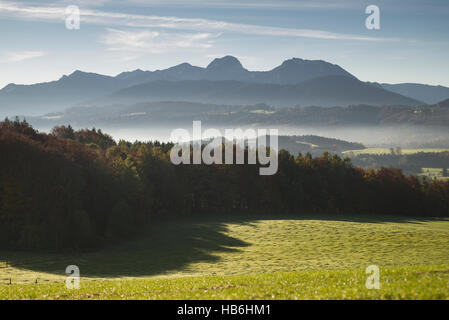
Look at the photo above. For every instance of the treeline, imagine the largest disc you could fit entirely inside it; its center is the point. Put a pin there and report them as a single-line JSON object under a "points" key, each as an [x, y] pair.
{"points": [[81, 189]]}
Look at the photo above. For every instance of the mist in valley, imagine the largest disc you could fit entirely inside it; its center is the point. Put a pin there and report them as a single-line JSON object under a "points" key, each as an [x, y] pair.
{"points": [[370, 136]]}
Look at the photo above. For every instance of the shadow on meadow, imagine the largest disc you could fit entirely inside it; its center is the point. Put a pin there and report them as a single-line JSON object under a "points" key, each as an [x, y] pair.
{"points": [[168, 246]]}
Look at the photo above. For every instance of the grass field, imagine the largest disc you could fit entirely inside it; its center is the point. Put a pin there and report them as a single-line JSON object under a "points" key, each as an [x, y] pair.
{"points": [[218, 258], [380, 151]]}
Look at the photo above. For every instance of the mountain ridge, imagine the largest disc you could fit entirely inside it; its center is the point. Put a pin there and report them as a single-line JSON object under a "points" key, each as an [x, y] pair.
{"points": [[79, 87]]}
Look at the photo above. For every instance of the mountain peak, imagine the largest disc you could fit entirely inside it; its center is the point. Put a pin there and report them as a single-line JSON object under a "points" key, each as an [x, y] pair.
{"points": [[9, 87], [225, 62], [130, 74], [182, 66], [76, 73], [296, 70], [226, 68], [293, 60], [299, 61], [79, 75]]}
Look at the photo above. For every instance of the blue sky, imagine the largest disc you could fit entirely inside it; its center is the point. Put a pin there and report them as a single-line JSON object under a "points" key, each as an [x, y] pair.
{"points": [[411, 46]]}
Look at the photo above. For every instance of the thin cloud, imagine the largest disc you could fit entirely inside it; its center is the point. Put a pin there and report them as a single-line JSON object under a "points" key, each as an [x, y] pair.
{"points": [[18, 56], [250, 4], [14, 10], [242, 4], [154, 41]]}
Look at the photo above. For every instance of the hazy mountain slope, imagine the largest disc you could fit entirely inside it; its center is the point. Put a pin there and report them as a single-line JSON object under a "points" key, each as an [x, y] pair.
{"points": [[421, 92], [325, 91], [184, 71], [55, 95], [443, 104]]}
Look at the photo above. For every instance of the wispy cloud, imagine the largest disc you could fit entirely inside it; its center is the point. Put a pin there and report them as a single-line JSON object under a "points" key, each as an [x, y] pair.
{"points": [[154, 41], [251, 4], [241, 4], [50, 13], [17, 56]]}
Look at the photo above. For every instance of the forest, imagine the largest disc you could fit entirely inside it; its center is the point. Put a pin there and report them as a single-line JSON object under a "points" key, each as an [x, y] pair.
{"points": [[81, 190]]}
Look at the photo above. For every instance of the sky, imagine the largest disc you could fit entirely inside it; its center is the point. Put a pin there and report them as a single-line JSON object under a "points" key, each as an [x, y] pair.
{"points": [[115, 36]]}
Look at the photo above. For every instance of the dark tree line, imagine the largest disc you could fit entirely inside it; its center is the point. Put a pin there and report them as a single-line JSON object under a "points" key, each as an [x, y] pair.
{"points": [[81, 189]]}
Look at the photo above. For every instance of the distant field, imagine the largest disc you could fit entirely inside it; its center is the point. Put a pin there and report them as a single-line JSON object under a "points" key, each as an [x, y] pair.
{"points": [[433, 173], [248, 258], [388, 151]]}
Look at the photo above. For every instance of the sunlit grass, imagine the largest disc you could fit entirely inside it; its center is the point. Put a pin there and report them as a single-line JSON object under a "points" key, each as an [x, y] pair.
{"points": [[429, 282]]}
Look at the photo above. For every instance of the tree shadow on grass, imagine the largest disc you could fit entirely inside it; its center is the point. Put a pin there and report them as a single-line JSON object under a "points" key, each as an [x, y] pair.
{"points": [[164, 247]]}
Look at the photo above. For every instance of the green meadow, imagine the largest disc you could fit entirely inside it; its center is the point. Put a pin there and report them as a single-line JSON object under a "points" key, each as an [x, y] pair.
{"points": [[248, 258]]}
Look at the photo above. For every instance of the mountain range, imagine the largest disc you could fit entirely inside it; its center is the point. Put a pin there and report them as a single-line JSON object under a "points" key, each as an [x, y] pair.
{"points": [[224, 80], [291, 71]]}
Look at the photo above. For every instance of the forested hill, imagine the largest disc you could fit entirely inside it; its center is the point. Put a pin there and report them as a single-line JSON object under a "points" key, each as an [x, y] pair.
{"points": [[81, 189], [183, 113]]}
